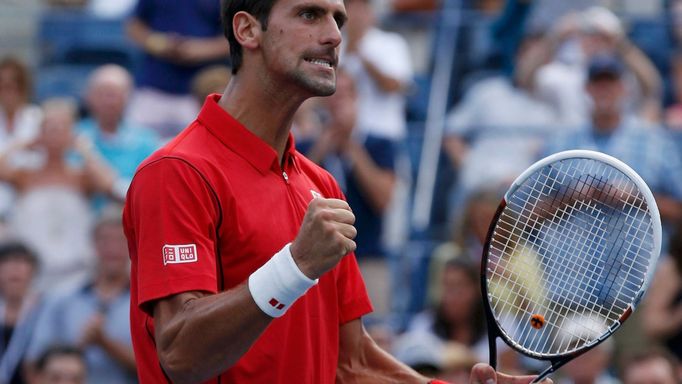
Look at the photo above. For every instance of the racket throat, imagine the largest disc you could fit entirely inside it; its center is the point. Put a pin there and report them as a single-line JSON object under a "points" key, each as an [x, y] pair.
{"points": [[551, 369]]}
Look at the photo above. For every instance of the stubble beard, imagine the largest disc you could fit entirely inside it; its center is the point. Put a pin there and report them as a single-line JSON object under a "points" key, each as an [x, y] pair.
{"points": [[317, 86]]}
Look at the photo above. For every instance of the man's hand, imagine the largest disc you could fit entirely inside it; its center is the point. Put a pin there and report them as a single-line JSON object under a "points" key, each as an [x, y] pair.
{"points": [[326, 235], [485, 374], [93, 333]]}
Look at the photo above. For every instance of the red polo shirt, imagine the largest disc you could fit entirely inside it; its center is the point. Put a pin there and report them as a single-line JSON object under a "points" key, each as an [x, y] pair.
{"points": [[207, 210]]}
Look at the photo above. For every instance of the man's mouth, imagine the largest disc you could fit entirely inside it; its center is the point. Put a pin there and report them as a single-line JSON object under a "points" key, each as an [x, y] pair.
{"points": [[324, 62]]}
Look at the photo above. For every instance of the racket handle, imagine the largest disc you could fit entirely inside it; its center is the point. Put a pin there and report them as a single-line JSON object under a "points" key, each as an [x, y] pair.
{"points": [[543, 375]]}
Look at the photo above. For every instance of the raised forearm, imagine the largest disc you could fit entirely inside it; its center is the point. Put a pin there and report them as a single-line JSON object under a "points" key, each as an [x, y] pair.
{"points": [[122, 354], [647, 77], [386, 83], [208, 334]]}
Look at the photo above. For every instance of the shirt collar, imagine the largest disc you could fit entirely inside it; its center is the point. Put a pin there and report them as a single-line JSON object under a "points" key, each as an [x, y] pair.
{"points": [[240, 140]]}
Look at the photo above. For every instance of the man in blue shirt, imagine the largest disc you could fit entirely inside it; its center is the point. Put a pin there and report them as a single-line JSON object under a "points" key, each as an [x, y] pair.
{"points": [[123, 145], [648, 149], [96, 315], [178, 38]]}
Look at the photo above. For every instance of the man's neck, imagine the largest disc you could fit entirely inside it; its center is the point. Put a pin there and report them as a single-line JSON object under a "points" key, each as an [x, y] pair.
{"points": [[265, 111]]}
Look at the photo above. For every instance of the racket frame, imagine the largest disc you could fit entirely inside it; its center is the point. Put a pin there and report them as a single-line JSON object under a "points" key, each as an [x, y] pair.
{"points": [[494, 329]]}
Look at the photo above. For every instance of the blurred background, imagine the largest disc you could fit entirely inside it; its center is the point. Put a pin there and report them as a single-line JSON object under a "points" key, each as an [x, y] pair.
{"points": [[440, 104]]}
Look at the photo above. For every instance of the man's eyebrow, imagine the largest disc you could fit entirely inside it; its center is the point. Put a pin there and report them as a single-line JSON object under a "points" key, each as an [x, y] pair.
{"points": [[340, 17]]}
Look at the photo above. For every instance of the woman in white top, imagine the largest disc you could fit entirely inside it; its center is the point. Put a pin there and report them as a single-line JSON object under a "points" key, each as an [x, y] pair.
{"points": [[52, 213]]}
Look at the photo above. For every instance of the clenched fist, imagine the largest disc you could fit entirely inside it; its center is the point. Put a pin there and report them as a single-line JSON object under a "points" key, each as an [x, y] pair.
{"points": [[326, 235]]}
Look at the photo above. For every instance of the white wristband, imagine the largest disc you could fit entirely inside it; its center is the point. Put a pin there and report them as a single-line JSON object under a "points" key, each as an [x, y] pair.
{"points": [[278, 283]]}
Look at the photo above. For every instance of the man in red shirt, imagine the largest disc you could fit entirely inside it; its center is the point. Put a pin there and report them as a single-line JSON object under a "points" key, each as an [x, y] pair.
{"points": [[242, 249]]}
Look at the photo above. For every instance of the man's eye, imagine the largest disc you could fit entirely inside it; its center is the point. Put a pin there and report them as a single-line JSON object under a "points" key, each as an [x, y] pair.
{"points": [[308, 15]]}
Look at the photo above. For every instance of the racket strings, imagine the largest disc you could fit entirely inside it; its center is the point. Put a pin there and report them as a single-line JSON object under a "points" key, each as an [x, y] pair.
{"points": [[573, 240]]}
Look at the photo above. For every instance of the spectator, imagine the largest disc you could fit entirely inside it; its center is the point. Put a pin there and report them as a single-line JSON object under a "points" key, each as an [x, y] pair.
{"points": [[496, 131], [458, 315], [19, 308], [53, 192], [650, 366], [380, 63], [593, 366], [19, 120], [590, 368], [615, 131], [363, 165], [95, 316], [557, 67], [673, 114], [210, 80], [662, 308], [123, 145], [60, 365], [178, 39]]}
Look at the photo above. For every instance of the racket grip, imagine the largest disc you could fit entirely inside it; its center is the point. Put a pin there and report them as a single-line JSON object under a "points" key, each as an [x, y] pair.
{"points": [[543, 374]]}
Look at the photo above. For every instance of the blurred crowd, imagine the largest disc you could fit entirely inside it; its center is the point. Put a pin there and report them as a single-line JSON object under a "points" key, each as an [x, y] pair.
{"points": [[102, 84]]}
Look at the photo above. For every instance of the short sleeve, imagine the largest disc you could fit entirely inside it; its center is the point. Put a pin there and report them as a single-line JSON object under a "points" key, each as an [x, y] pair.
{"points": [[173, 215], [352, 294]]}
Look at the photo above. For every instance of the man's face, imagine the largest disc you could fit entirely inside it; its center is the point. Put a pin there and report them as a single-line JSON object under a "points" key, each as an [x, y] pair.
{"points": [[607, 94], [63, 370], [301, 44], [112, 248], [107, 99], [16, 275]]}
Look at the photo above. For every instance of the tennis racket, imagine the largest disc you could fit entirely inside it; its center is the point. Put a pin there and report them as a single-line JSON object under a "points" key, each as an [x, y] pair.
{"points": [[569, 254]]}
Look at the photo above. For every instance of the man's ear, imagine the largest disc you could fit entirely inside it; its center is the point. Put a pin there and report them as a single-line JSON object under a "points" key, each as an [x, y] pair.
{"points": [[247, 30]]}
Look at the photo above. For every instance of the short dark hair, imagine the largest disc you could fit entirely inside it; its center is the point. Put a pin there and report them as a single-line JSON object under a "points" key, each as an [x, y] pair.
{"points": [[260, 9], [15, 250], [57, 351]]}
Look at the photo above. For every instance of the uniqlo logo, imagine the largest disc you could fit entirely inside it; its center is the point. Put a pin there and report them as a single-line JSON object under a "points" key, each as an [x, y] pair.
{"points": [[276, 304], [176, 254]]}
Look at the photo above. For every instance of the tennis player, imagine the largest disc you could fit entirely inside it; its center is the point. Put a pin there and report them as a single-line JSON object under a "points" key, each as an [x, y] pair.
{"points": [[242, 249]]}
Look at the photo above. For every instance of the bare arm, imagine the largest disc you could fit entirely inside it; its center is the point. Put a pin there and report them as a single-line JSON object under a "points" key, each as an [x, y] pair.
{"points": [[385, 82], [122, 354], [199, 336], [8, 173], [660, 318], [143, 36], [376, 183], [362, 361], [98, 175], [456, 149], [180, 49], [648, 79]]}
